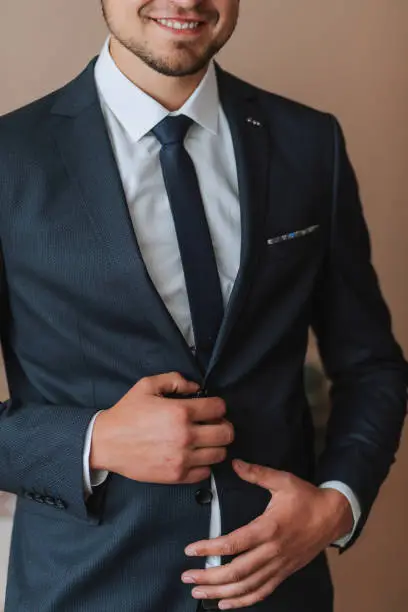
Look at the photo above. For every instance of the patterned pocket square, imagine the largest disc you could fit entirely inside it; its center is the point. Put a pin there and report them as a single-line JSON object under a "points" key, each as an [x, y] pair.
{"points": [[292, 235]]}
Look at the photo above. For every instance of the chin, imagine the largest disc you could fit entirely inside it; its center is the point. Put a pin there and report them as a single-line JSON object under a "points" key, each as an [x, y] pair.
{"points": [[178, 71], [178, 67]]}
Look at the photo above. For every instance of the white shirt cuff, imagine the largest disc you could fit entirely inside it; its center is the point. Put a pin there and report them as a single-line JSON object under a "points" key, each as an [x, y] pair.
{"points": [[354, 503], [92, 478]]}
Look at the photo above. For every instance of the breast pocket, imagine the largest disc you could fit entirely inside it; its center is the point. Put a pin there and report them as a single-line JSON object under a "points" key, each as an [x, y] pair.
{"points": [[299, 245]]}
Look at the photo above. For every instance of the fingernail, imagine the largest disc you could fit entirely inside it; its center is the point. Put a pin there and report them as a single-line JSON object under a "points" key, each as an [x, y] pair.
{"points": [[188, 579], [191, 552], [240, 463], [223, 605], [199, 594]]}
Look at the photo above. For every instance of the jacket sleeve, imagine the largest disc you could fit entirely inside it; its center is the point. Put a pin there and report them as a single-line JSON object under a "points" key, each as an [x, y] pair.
{"points": [[41, 445], [359, 353]]}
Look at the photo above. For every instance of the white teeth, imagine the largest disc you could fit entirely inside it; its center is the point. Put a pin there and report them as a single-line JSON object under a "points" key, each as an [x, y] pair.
{"points": [[178, 25]]}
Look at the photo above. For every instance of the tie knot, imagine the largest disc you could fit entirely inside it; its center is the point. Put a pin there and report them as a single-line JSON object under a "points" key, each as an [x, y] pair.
{"points": [[172, 130]]}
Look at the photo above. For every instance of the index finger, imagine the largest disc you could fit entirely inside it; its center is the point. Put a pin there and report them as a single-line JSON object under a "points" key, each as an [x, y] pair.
{"points": [[245, 538]]}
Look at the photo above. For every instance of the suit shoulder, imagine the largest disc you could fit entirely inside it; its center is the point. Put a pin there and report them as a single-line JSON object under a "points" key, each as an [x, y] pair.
{"points": [[29, 115], [301, 134], [304, 134], [292, 108], [26, 139], [279, 108], [29, 126], [25, 131]]}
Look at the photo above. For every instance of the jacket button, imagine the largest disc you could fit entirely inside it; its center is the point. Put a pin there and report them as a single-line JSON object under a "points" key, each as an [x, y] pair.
{"points": [[49, 500], [202, 393], [203, 496]]}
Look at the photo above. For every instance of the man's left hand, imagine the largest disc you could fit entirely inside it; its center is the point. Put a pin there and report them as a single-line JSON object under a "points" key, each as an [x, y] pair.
{"points": [[299, 522]]}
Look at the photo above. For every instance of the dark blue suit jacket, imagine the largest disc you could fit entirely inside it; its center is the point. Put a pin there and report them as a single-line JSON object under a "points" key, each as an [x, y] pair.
{"points": [[81, 323]]}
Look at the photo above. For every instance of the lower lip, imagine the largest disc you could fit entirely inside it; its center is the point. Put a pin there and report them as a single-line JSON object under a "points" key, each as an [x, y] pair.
{"points": [[186, 32]]}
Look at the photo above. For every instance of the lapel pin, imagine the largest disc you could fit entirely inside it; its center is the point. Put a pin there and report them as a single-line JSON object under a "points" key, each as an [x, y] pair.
{"points": [[254, 122]]}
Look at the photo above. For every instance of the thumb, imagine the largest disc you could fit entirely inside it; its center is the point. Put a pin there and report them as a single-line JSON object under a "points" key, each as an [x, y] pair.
{"points": [[261, 475]]}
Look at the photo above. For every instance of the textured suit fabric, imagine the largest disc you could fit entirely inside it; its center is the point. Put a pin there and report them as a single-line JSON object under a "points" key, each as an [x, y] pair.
{"points": [[81, 322]]}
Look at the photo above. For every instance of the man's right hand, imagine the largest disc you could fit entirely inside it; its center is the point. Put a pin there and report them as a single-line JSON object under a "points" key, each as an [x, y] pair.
{"points": [[152, 438]]}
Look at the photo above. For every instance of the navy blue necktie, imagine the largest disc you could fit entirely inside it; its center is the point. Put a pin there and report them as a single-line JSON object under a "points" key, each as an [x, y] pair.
{"points": [[193, 236]]}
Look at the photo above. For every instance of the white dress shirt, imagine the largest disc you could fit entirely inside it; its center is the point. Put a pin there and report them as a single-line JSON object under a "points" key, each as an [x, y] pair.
{"points": [[130, 115]]}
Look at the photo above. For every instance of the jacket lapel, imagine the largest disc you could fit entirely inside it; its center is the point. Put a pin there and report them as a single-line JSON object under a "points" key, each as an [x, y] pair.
{"points": [[85, 147], [87, 154], [252, 153]]}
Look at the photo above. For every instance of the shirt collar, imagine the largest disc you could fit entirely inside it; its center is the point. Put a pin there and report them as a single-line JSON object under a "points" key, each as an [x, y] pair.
{"points": [[138, 112]]}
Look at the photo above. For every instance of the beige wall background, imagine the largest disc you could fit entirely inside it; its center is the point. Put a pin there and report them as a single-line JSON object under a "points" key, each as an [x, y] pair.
{"points": [[348, 57]]}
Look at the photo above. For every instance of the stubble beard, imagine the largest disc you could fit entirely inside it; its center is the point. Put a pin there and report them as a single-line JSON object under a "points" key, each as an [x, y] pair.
{"points": [[186, 64], [172, 67]]}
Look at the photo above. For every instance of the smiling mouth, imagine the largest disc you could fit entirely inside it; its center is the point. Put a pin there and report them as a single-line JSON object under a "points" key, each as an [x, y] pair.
{"points": [[180, 26]]}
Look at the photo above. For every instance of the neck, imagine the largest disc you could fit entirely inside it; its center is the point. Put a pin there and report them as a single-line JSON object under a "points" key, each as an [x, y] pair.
{"points": [[170, 92]]}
